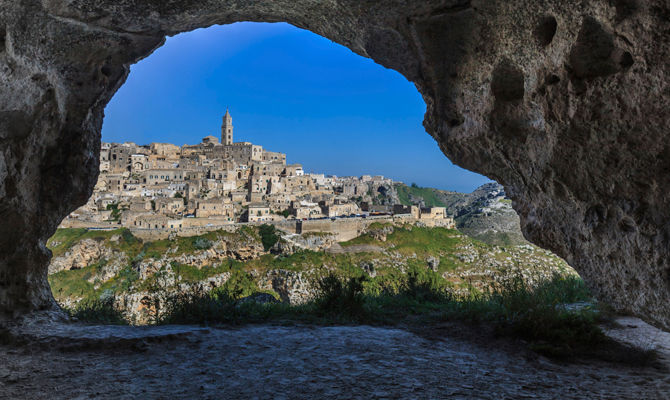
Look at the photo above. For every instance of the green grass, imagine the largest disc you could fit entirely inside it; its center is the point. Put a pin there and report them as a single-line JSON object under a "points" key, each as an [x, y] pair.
{"points": [[428, 195], [65, 238], [414, 244], [73, 283], [415, 240], [503, 239]]}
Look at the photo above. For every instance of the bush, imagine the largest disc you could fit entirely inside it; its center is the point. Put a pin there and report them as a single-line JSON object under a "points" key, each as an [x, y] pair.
{"points": [[341, 297], [197, 308], [423, 285], [240, 284], [268, 236], [116, 212], [99, 311], [202, 244], [127, 277], [537, 314]]}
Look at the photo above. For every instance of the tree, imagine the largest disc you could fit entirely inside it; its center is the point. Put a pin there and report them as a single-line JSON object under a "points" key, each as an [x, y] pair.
{"points": [[268, 236]]}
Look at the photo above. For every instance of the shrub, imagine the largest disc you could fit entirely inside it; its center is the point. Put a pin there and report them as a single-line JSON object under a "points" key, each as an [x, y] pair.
{"points": [[196, 308], [99, 311], [128, 276], [240, 284], [202, 244], [268, 236], [423, 285], [341, 297]]}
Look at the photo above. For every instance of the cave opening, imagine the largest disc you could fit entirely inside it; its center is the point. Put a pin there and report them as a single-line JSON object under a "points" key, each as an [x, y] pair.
{"points": [[167, 172], [578, 125]]}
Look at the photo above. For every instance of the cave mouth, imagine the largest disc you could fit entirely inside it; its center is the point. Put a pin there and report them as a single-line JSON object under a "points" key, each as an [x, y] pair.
{"points": [[168, 99], [62, 62]]}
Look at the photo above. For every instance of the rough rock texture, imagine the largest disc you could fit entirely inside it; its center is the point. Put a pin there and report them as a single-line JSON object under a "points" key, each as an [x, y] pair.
{"points": [[308, 362], [314, 241], [79, 256], [486, 214], [563, 102], [291, 286]]}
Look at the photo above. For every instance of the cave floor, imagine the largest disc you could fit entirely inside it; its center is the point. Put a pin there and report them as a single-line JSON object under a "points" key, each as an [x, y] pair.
{"points": [[288, 362]]}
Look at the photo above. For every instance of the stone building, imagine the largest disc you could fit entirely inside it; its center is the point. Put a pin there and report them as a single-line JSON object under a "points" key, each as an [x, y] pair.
{"points": [[433, 213], [227, 129], [167, 150], [120, 157], [305, 210], [215, 182], [293, 170], [259, 212], [274, 157], [341, 209], [218, 206], [159, 176], [169, 206]]}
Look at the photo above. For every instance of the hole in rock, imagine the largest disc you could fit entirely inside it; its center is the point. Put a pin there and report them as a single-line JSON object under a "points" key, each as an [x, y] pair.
{"points": [[545, 31], [626, 60], [3, 40], [552, 79], [240, 163], [507, 83], [595, 53]]}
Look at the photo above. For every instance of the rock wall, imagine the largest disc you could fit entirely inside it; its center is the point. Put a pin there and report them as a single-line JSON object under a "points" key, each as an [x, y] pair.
{"points": [[343, 229], [564, 102]]}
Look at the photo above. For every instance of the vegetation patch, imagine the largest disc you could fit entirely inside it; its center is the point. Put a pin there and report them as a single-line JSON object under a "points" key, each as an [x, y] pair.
{"points": [[428, 195], [415, 279], [98, 311], [73, 283], [269, 236], [536, 314]]}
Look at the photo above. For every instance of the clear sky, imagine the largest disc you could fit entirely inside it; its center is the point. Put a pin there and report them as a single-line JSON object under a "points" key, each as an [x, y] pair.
{"points": [[288, 90]]}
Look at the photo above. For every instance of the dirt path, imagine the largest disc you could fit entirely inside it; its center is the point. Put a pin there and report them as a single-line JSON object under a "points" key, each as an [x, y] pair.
{"points": [[275, 362]]}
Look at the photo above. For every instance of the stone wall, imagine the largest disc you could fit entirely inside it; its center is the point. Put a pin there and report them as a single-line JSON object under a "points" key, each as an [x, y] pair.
{"points": [[344, 229]]}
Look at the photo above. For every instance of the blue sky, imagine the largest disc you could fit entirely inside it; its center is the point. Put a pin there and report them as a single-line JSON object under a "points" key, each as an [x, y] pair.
{"points": [[288, 90]]}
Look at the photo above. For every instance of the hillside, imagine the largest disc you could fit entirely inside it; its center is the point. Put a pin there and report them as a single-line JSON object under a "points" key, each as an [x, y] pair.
{"points": [[115, 264], [485, 214]]}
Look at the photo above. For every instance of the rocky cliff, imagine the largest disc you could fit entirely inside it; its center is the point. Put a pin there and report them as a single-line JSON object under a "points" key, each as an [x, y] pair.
{"points": [[485, 214], [142, 275]]}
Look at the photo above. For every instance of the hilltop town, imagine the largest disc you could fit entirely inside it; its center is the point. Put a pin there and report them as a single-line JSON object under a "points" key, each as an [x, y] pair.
{"points": [[160, 189]]}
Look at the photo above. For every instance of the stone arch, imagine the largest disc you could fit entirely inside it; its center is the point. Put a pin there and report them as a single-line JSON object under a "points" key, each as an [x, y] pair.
{"points": [[588, 139]]}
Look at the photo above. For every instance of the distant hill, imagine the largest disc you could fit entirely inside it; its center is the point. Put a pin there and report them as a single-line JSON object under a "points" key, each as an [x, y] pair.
{"points": [[485, 214]]}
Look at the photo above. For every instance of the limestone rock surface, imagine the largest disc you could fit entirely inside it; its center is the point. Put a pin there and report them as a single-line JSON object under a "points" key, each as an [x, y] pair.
{"points": [[564, 102]]}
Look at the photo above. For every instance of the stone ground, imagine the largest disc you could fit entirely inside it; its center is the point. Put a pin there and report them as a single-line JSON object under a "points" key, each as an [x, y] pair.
{"points": [[289, 362]]}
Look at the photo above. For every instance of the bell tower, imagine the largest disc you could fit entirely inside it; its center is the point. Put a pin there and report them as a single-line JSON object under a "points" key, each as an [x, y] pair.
{"points": [[227, 129]]}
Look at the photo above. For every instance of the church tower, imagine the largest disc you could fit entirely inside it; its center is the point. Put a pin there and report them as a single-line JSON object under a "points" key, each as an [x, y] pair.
{"points": [[227, 129]]}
